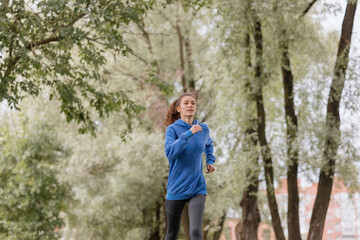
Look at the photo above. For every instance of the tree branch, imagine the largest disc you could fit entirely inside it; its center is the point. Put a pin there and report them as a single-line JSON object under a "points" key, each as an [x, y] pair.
{"points": [[30, 46], [307, 9], [148, 42], [43, 42]]}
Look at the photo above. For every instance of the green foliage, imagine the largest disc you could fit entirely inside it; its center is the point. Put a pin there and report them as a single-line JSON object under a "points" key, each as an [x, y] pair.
{"points": [[192, 4], [116, 185], [61, 45], [31, 197], [121, 57]]}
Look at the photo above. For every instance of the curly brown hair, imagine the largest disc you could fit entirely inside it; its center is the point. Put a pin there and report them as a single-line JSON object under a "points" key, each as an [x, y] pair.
{"points": [[172, 114]]}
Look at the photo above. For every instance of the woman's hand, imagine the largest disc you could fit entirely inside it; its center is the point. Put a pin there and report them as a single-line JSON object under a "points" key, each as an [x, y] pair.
{"points": [[196, 128], [210, 168]]}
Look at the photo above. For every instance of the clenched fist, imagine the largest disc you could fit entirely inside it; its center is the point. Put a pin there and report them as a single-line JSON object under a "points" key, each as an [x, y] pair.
{"points": [[210, 168], [196, 128]]}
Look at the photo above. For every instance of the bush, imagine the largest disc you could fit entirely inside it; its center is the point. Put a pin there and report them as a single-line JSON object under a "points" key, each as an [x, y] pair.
{"points": [[31, 197]]}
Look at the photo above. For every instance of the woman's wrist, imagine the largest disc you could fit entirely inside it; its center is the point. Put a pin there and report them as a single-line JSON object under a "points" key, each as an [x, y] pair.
{"points": [[188, 133]]}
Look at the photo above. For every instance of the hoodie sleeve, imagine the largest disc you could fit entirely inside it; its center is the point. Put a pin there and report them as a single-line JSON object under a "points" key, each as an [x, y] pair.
{"points": [[209, 151], [173, 146]]}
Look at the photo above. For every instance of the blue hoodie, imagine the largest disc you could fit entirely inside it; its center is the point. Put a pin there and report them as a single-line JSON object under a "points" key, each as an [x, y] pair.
{"points": [[184, 152]]}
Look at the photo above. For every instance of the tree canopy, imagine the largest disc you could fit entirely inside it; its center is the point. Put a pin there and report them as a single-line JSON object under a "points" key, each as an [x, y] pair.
{"points": [[60, 46]]}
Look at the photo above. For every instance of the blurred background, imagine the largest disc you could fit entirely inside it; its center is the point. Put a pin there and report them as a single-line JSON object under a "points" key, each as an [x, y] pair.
{"points": [[84, 90]]}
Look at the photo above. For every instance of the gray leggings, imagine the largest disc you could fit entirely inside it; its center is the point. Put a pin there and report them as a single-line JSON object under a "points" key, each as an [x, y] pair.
{"points": [[174, 209]]}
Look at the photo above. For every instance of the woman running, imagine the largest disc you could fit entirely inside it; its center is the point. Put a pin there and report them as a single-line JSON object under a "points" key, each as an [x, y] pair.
{"points": [[185, 141]]}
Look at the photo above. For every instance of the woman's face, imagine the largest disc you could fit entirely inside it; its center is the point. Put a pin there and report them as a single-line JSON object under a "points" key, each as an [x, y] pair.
{"points": [[187, 106]]}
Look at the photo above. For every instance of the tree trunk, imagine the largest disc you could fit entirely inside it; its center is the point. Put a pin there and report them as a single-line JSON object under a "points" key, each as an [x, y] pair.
{"points": [[250, 214], [217, 234], [205, 232], [265, 149], [181, 53], [292, 152], [247, 230], [332, 138], [155, 232], [190, 64]]}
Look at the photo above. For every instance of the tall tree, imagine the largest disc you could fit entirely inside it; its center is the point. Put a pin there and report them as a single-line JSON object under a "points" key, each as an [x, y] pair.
{"points": [[291, 132], [249, 204], [292, 151], [265, 148], [291, 120], [332, 138]]}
